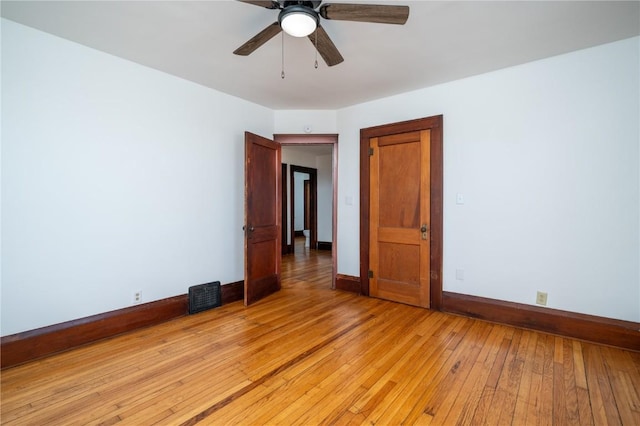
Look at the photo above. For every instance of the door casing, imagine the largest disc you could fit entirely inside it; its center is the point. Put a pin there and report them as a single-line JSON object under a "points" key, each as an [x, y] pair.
{"points": [[436, 201]]}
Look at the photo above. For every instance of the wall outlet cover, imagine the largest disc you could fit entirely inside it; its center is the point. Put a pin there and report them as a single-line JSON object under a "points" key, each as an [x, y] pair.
{"points": [[541, 298]]}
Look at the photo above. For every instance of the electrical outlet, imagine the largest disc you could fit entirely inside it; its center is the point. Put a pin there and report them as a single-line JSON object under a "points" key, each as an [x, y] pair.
{"points": [[541, 298], [137, 297]]}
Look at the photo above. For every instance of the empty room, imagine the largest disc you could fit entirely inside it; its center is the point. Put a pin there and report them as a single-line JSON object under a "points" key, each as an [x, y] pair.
{"points": [[317, 212]]}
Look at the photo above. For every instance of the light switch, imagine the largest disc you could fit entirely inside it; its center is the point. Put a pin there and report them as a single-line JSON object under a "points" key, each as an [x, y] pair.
{"points": [[460, 274], [459, 198], [348, 200]]}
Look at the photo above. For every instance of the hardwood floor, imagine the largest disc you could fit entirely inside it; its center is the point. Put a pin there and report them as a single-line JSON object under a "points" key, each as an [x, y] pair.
{"points": [[311, 355]]}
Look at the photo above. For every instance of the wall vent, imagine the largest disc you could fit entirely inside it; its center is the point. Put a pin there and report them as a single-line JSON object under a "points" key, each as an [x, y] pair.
{"points": [[204, 296]]}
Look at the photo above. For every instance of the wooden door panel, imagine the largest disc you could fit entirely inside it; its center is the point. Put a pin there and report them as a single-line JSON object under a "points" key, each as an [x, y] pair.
{"points": [[262, 217], [265, 264], [399, 206], [399, 138], [399, 235], [398, 292], [399, 195], [263, 191], [399, 262]]}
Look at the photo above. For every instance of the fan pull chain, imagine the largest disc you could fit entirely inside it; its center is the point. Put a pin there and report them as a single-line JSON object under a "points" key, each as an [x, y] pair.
{"points": [[316, 64], [282, 74]]}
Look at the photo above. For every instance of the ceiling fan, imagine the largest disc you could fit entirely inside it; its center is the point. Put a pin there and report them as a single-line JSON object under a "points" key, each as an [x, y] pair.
{"points": [[302, 19]]}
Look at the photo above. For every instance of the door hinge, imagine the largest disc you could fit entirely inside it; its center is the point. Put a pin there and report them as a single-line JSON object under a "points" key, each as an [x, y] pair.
{"points": [[370, 273], [370, 151]]}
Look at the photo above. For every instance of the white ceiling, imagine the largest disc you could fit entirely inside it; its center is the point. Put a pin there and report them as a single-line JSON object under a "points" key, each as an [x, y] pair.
{"points": [[442, 41]]}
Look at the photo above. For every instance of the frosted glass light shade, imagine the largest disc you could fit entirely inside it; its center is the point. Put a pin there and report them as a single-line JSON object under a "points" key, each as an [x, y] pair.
{"points": [[298, 21]]}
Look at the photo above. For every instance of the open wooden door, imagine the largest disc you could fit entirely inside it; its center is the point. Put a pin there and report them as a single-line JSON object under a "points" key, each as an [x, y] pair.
{"points": [[262, 214]]}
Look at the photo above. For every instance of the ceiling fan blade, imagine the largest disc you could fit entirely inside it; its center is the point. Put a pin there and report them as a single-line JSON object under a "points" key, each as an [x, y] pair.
{"points": [[259, 39], [382, 14], [269, 4], [326, 48]]}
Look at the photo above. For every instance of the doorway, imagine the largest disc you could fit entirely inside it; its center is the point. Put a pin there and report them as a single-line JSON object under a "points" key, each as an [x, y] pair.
{"points": [[401, 172], [303, 206], [399, 220], [317, 156]]}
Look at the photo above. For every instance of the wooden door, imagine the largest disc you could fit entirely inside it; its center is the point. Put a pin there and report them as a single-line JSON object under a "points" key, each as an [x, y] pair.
{"points": [[399, 221], [262, 218]]}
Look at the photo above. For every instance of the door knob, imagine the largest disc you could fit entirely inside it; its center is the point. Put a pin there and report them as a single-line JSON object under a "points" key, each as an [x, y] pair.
{"points": [[424, 231]]}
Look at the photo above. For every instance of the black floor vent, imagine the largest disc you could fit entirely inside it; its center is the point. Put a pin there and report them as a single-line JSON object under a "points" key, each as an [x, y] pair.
{"points": [[204, 296]]}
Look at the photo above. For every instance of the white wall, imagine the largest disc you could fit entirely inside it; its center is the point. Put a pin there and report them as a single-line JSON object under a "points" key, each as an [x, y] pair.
{"points": [[115, 178], [547, 157], [305, 121], [324, 164]]}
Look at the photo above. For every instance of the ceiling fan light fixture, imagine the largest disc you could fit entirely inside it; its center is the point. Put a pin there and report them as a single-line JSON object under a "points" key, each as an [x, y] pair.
{"points": [[298, 20]]}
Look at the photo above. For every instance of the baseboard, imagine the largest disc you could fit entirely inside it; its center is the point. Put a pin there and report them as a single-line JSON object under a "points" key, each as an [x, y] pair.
{"points": [[298, 233], [348, 283], [30, 345], [622, 334], [232, 292], [325, 245], [33, 344]]}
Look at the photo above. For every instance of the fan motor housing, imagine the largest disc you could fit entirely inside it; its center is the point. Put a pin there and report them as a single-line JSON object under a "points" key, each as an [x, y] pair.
{"points": [[311, 4]]}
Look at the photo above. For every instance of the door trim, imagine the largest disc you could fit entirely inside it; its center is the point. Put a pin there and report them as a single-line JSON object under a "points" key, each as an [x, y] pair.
{"points": [[435, 264], [322, 139]]}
